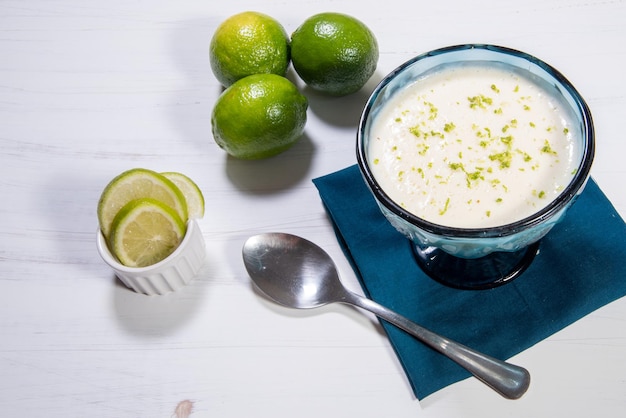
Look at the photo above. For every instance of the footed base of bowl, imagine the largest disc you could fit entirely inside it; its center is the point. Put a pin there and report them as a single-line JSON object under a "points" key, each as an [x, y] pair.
{"points": [[486, 272]]}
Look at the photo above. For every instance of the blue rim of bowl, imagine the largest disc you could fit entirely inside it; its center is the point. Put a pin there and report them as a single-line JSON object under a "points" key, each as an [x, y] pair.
{"points": [[565, 197]]}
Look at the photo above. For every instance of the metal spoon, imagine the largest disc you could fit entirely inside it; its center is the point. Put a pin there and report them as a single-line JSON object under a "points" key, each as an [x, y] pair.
{"points": [[296, 273]]}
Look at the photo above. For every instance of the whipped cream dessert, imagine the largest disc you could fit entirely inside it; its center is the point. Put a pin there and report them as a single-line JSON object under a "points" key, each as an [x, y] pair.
{"points": [[474, 146]]}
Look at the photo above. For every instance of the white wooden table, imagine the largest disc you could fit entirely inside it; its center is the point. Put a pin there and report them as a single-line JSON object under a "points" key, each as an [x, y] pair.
{"points": [[91, 88]]}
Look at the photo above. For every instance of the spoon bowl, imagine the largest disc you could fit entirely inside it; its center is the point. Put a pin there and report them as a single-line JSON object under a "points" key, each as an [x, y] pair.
{"points": [[296, 273], [291, 271]]}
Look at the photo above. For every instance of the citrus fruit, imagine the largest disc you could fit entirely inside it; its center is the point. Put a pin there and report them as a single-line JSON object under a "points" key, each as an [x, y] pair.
{"points": [[248, 43], [191, 191], [135, 184], [334, 53], [259, 116], [144, 232]]}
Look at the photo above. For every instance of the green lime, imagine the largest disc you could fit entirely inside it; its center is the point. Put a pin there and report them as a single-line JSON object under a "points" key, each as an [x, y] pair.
{"points": [[259, 116], [144, 232], [135, 184], [248, 43], [334, 53]]}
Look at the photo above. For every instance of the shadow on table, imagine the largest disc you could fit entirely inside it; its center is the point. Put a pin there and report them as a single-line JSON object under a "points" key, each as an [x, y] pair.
{"points": [[272, 174], [156, 316], [342, 111]]}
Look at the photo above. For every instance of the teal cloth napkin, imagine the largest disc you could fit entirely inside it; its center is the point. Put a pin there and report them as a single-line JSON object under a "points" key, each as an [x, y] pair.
{"points": [[580, 267]]}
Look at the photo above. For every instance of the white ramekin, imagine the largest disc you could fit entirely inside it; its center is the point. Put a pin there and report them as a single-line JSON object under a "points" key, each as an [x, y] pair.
{"points": [[166, 276]]}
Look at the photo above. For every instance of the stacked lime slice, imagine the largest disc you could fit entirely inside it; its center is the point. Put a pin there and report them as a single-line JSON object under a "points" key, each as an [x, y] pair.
{"points": [[191, 191], [143, 214]]}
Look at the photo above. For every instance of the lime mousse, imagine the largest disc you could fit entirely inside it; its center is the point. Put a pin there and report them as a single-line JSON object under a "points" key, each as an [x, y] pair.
{"points": [[475, 146]]}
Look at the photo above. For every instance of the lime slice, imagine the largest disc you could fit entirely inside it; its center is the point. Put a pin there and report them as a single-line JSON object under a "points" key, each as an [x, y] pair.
{"points": [[144, 232], [136, 184], [191, 191]]}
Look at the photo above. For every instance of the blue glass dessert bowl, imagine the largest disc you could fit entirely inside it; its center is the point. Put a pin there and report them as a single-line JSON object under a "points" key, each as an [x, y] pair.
{"points": [[474, 254]]}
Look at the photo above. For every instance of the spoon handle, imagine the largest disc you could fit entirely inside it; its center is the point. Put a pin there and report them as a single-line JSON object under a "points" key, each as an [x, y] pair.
{"points": [[508, 380]]}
